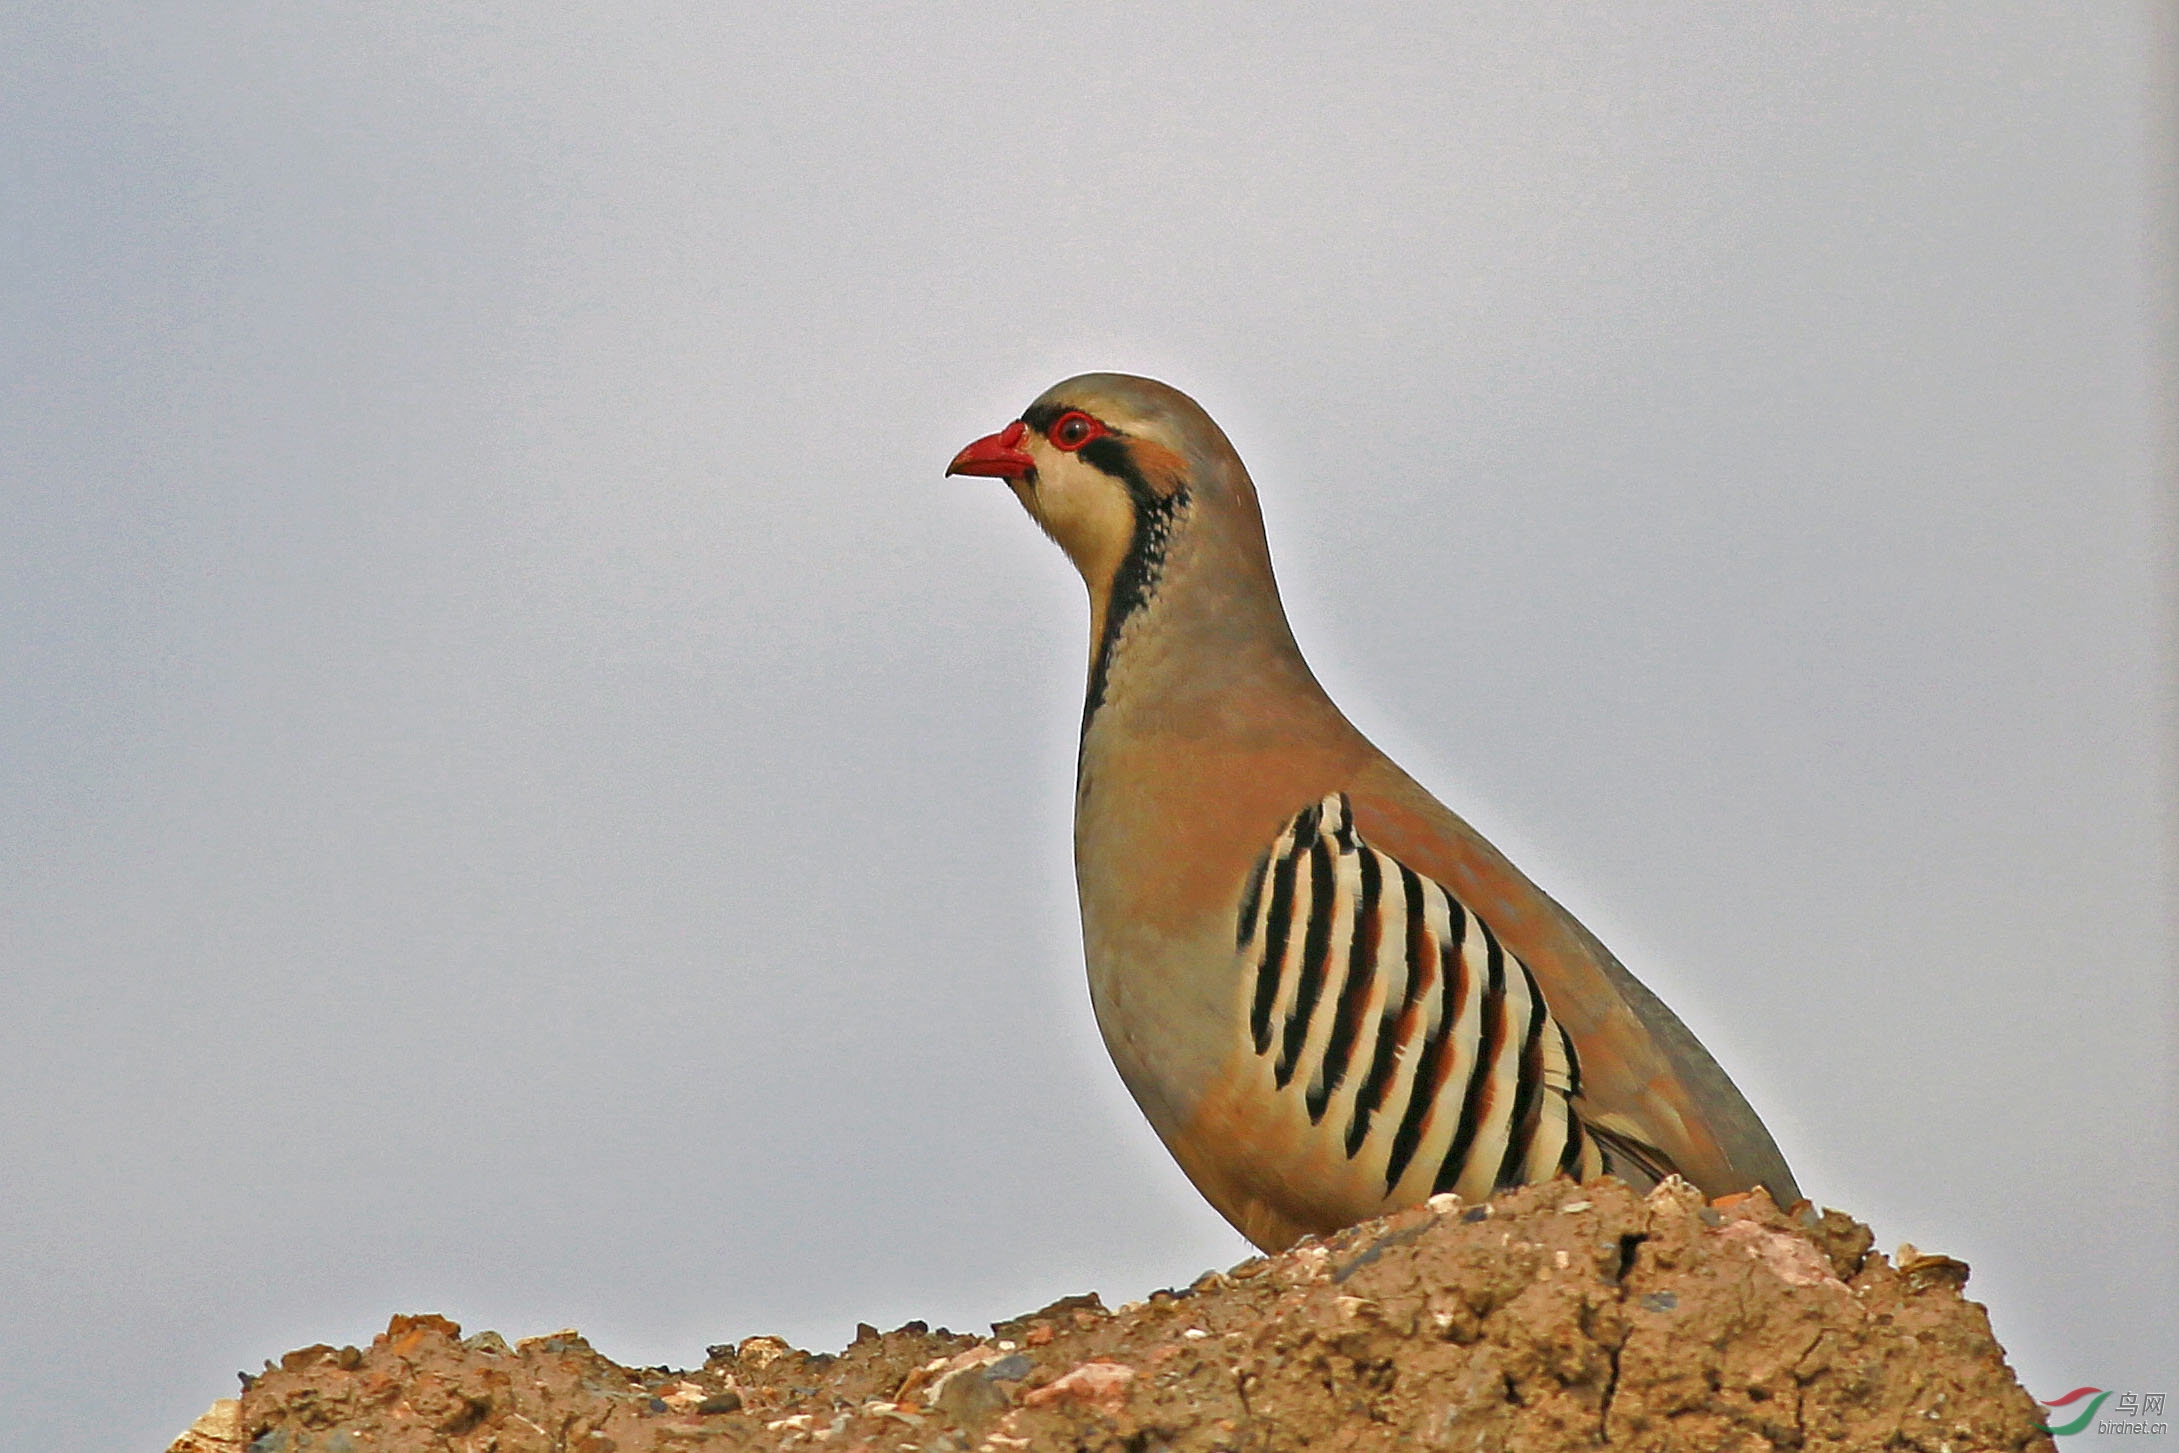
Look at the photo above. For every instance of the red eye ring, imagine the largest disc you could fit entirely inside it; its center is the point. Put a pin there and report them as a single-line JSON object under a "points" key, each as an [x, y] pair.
{"points": [[1071, 430]]}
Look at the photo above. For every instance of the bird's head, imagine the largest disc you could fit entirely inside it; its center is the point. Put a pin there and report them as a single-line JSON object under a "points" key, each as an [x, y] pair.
{"points": [[1149, 500], [1096, 456]]}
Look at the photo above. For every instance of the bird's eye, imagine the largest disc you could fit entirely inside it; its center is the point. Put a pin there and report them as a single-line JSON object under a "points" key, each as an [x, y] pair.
{"points": [[1071, 430]]}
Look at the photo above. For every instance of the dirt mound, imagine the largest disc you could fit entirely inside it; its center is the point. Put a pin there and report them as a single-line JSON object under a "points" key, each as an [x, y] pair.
{"points": [[1556, 1317]]}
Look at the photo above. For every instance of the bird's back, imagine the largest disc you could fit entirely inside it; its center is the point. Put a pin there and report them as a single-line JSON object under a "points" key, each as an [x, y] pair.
{"points": [[1646, 1078], [1334, 998]]}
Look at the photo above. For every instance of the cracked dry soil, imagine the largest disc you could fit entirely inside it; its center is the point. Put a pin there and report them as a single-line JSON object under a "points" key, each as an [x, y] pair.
{"points": [[1555, 1317]]}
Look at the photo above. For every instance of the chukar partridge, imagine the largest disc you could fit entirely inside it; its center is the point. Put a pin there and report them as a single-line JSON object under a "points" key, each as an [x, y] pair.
{"points": [[1331, 997]]}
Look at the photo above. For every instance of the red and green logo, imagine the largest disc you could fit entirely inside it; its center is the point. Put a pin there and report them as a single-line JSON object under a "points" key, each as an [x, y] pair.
{"points": [[2087, 1414]]}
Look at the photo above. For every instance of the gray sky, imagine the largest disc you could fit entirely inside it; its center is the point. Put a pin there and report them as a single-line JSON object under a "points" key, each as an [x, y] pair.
{"points": [[523, 794]]}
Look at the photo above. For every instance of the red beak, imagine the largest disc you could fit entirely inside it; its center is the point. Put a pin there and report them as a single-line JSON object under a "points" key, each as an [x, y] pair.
{"points": [[995, 455]]}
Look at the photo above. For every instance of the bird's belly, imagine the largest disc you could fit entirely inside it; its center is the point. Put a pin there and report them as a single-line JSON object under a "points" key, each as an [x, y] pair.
{"points": [[1355, 1042], [1248, 1147], [1270, 1171]]}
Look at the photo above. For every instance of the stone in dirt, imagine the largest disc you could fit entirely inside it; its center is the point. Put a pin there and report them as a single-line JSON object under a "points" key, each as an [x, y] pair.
{"points": [[1560, 1317]]}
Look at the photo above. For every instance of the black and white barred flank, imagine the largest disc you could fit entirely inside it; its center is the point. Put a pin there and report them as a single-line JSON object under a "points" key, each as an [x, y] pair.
{"points": [[1404, 1025]]}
